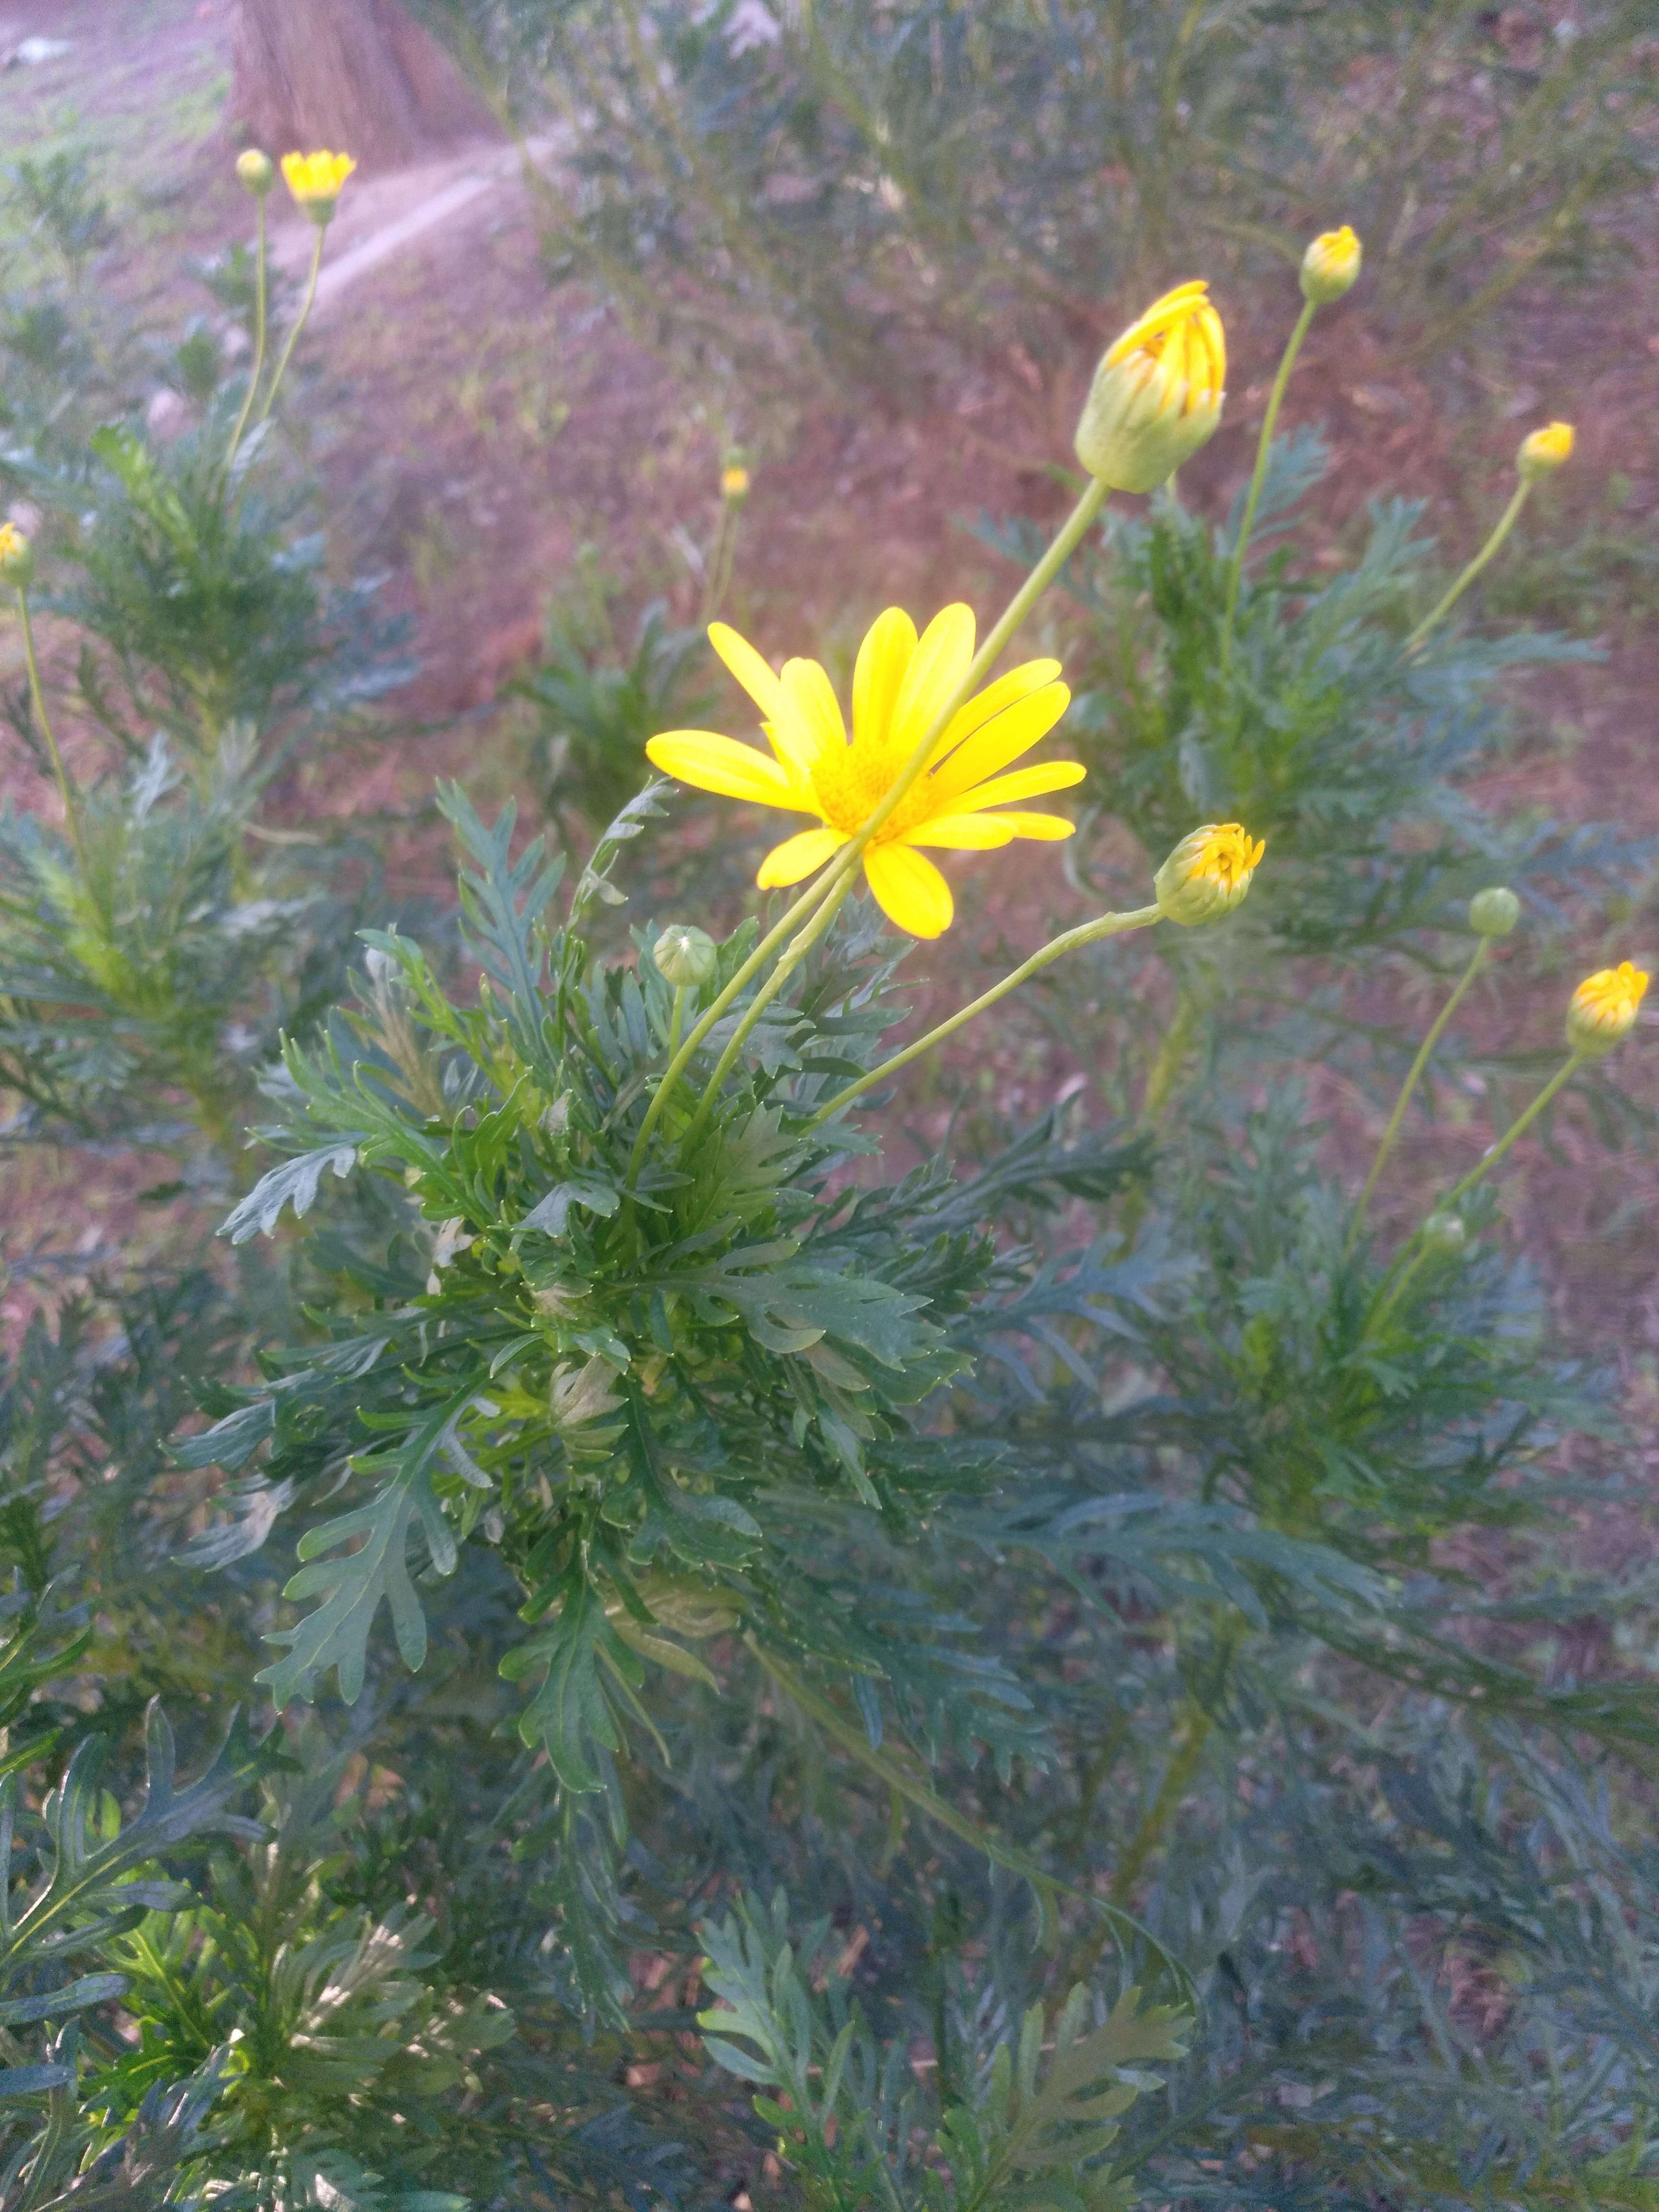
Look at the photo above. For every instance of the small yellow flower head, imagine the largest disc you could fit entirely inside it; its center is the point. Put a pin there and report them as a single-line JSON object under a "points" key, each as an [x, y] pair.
{"points": [[16, 556], [1330, 266], [257, 171], [1603, 1009], [735, 484], [685, 954], [1494, 912], [1542, 452], [1156, 394], [315, 180], [970, 798], [1208, 872], [1446, 1233]]}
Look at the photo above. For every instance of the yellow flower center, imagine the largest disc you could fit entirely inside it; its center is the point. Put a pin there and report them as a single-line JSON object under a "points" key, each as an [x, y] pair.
{"points": [[1610, 999], [1227, 857]]}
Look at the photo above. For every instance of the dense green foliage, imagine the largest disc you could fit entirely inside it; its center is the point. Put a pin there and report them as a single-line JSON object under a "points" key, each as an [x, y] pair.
{"points": [[1057, 1672]]}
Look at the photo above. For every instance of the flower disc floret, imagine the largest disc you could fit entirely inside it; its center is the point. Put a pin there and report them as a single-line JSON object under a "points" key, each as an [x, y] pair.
{"points": [[315, 180], [1603, 1011], [1208, 873], [1157, 393], [901, 685]]}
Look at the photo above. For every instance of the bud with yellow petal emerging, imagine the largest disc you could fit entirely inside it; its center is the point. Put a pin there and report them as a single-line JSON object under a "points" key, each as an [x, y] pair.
{"points": [[685, 954], [1603, 1009], [315, 180], [1156, 394], [16, 557], [1542, 452], [1330, 266], [1208, 873], [1494, 912], [257, 171], [735, 484]]}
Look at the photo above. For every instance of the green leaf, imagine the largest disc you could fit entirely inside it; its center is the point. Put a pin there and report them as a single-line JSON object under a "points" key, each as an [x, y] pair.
{"points": [[294, 1183]]}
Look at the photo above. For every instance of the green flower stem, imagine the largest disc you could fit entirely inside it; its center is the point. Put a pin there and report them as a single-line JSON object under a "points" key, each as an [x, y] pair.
{"points": [[1165, 1071], [66, 790], [1264, 446], [299, 324], [816, 929], [1506, 522], [841, 869], [1476, 963], [676, 1019], [1411, 1255], [1106, 924], [257, 369]]}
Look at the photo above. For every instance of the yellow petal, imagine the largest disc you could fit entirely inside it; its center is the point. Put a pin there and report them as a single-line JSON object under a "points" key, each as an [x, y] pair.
{"points": [[716, 764], [942, 654], [1004, 693], [814, 695], [909, 889], [1024, 783], [882, 659], [1014, 732], [792, 739], [960, 833], [798, 856], [1050, 828]]}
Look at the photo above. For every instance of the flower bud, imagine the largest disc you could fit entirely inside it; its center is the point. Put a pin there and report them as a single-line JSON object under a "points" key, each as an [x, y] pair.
{"points": [[1603, 1011], [685, 954], [16, 557], [1330, 266], [315, 180], [1208, 873], [1446, 1233], [1156, 394], [1494, 912], [735, 484], [257, 171], [1542, 452]]}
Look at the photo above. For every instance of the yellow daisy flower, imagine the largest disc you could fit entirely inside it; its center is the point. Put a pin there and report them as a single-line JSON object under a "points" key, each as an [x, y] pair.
{"points": [[900, 685], [315, 180]]}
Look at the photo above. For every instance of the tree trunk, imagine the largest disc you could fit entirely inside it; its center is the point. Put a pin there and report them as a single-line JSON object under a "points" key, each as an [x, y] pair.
{"points": [[358, 76]]}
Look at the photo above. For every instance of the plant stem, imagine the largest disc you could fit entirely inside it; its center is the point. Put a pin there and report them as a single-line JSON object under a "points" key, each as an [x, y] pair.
{"points": [[1505, 523], [257, 369], [299, 324], [72, 812], [1106, 924], [1410, 1255], [676, 1019], [1401, 1103], [1165, 1069], [816, 927], [846, 862], [1264, 446]]}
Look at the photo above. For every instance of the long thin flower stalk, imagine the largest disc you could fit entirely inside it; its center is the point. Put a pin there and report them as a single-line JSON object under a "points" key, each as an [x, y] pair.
{"points": [[1506, 522], [846, 860], [66, 790], [260, 317], [1087, 932], [1476, 963], [299, 324], [1411, 1255], [1264, 446]]}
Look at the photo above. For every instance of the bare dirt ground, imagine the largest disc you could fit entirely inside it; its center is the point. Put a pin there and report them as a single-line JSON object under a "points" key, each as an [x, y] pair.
{"points": [[473, 429]]}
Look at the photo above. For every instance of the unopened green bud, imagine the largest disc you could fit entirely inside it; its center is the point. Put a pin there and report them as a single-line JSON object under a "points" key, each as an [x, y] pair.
{"points": [[685, 954], [1446, 1233], [1494, 912], [1208, 873], [16, 556], [257, 171], [1330, 266]]}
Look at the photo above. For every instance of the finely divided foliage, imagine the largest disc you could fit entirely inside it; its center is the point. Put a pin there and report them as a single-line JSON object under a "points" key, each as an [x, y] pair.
{"points": [[796, 1662]]}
